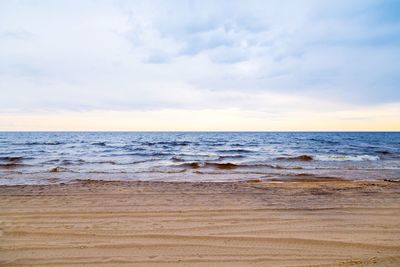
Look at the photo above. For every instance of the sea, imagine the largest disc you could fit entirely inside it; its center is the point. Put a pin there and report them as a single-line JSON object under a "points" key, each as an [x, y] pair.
{"points": [[67, 157]]}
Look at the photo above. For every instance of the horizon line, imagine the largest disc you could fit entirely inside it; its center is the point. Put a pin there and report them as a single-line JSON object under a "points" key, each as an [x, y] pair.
{"points": [[198, 131]]}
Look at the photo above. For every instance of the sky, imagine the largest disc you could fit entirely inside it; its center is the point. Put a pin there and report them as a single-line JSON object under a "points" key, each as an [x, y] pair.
{"points": [[200, 65]]}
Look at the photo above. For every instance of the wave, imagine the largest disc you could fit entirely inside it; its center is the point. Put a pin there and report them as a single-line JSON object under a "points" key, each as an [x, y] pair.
{"points": [[175, 143], [58, 169], [177, 159], [140, 154], [238, 145], [65, 162], [163, 171], [231, 166], [55, 143], [331, 158], [120, 163], [192, 165], [222, 166], [112, 147], [11, 165], [297, 158], [182, 156], [99, 144], [231, 157], [325, 141], [384, 152], [154, 154], [197, 165], [11, 159], [212, 157], [168, 143], [235, 151], [388, 154], [73, 162], [80, 162], [346, 158], [134, 148]]}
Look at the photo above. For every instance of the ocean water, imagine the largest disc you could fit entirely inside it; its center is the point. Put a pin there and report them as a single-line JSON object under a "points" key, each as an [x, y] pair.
{"points": [[63, 157]]}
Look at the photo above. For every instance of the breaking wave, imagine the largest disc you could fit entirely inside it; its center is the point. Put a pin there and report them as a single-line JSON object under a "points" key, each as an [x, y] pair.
{"points": [[331, 158], [346, 158], [297, 158]]}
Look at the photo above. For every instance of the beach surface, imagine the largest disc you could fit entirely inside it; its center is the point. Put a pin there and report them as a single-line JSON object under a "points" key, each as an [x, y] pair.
{"points": [[250, 223]]}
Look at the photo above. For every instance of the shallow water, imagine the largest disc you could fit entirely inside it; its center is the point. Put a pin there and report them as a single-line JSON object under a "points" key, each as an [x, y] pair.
{"points": [[56, 157]]}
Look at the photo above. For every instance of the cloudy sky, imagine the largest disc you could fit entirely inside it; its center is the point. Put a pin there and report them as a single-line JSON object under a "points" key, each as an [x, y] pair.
{"points": [[200, 65]]}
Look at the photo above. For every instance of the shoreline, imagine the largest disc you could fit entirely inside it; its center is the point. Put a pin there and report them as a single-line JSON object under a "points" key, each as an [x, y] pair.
{"points": [[292, 178], [248, 223]]}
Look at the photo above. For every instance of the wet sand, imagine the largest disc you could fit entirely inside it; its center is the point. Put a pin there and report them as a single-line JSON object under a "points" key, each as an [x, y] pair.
{"points": [[253, 223]]}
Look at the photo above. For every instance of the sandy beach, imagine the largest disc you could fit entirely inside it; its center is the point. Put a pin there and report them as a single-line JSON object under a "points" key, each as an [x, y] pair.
{"points": [[251, 223]]}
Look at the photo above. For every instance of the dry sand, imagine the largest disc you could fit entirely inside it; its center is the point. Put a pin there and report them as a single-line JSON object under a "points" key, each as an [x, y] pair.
{"points": [[251, 223]]}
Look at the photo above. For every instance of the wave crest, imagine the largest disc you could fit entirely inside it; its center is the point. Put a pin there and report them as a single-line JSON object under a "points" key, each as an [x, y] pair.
{"points": [[297, 158], [346, 158]]}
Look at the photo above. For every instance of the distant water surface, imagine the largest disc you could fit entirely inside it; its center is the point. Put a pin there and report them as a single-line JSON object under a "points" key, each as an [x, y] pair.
{"points": [[62, 157]]}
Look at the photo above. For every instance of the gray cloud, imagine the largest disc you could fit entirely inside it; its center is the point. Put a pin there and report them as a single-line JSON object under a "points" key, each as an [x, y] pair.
{"points": [[196, 54]]}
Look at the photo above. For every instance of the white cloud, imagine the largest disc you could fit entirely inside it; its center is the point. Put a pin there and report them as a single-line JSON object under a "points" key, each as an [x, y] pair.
{"points": [[272, 57]]}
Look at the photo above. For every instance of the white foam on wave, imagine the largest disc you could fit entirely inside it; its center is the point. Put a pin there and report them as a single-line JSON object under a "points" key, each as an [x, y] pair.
{"points": [[346, 158]]}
